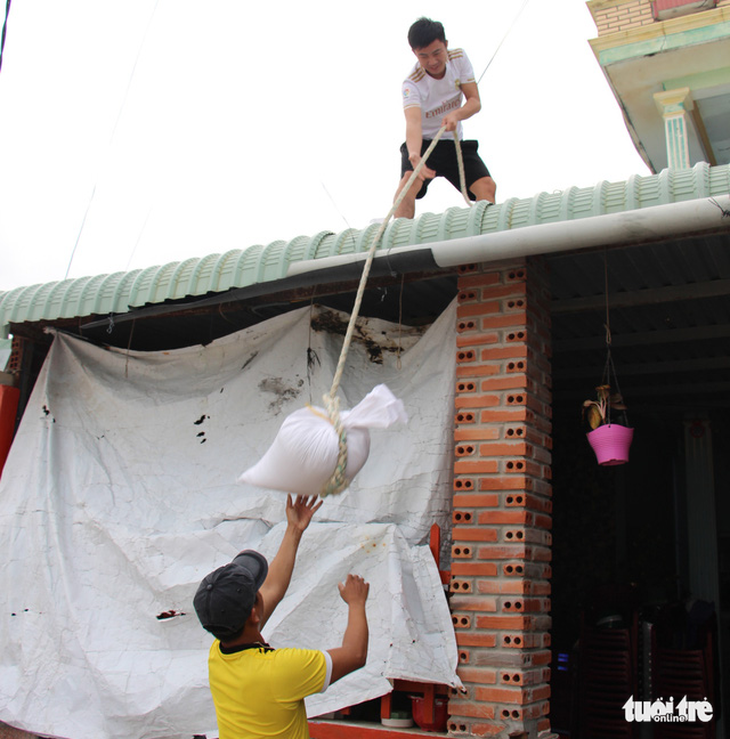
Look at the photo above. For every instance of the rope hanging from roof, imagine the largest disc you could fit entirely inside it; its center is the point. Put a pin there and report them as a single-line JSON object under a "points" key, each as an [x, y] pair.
{"points": [[609, 377], [338, 482]]}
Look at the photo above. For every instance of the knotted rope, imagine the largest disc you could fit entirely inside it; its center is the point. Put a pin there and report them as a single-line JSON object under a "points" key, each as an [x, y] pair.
{"points": [[338, 482]]}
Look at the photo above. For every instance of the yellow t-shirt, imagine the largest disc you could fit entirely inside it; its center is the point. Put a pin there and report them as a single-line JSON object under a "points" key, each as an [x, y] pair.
{"points": [[260, 693]]}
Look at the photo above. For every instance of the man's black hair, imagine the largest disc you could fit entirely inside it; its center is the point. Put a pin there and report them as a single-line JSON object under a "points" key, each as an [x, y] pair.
{"points": [[424, 32]]}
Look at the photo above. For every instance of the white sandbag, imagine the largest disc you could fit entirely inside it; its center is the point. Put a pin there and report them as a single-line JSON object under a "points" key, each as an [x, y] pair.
{"points": [[303, 456], [378, 409]]}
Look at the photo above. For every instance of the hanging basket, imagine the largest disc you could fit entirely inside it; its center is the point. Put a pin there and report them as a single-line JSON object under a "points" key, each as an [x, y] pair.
{"points": [[611, 443]]}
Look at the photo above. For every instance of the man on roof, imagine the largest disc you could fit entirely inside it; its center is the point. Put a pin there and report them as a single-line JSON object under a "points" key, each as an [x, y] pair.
{"points": [[259, 691], [432, 98]]}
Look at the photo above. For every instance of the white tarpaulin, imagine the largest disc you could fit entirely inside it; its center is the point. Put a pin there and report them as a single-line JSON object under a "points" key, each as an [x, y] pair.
{"points": [[120, 494]]}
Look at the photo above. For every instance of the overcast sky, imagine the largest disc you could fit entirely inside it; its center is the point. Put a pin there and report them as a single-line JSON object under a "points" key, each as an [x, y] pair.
{"points": [[156, 130]]}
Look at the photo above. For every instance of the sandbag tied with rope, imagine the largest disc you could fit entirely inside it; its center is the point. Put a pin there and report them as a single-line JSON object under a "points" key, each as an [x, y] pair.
{"points": [[320, 450], [309, 455]]}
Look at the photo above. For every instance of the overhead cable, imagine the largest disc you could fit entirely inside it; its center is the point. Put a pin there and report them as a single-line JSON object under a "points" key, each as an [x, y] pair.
{"points": [[504, 38], [5, 30], [111, 138]]}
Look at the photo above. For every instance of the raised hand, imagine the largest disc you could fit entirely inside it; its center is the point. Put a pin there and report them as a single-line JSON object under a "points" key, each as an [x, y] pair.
{"points": [[299, 512], [354, 591]]}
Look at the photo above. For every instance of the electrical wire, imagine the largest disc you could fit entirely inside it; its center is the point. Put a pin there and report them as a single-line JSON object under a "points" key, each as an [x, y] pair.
{"points": [[134, 69], [111, 138], [504, 38], [81, 228], [332, 200], [5, 30], [139, 238]]}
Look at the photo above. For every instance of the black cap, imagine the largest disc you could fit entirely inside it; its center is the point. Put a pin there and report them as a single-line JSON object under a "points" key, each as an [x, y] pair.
{"points": [[226, 596]]}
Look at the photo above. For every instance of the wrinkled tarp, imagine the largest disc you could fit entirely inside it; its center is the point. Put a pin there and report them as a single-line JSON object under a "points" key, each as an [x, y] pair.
{"points": [[119, 495]]}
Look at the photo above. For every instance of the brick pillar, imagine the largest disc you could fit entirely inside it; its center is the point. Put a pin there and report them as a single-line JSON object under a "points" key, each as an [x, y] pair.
{"points": [[500, 571]]}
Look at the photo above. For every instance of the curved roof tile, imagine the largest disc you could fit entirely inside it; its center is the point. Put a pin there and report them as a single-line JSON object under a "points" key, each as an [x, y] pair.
{"points": [[117, 292]]}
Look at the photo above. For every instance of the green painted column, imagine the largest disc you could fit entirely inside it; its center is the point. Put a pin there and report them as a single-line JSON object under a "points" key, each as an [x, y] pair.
{"points": [[674, 106]]}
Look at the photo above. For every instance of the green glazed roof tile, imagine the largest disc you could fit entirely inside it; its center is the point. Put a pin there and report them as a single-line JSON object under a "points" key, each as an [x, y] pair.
{"points": [[120, 291]]}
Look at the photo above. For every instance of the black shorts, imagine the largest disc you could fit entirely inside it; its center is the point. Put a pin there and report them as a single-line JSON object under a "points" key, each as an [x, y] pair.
{"points": [[443, 160]]}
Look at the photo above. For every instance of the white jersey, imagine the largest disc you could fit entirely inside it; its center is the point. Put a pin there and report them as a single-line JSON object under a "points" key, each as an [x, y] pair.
{"points": [[435, 97]]}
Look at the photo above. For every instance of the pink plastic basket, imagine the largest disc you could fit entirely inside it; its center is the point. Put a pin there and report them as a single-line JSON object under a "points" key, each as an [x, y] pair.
{"points": [[611, 443]]}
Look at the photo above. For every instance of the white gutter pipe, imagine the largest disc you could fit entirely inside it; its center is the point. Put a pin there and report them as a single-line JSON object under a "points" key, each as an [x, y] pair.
{"points": [[643, 225]]}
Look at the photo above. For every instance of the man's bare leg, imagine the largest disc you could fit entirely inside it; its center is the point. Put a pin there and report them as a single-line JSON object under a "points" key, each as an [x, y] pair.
{"points": [[407, 207], [485, 188]]}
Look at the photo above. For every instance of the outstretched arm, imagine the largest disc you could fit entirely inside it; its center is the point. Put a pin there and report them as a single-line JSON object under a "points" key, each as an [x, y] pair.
{"points": [[298, 515], [414, 140], [354, 650]]}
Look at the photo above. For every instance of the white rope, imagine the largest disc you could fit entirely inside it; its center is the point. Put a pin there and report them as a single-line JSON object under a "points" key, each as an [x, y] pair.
{"points": [[460, 163], [369, 262], [338, 482]]}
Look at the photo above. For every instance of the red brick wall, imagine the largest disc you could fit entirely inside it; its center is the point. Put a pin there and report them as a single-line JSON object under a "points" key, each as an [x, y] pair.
{"points": [[500, 586]]}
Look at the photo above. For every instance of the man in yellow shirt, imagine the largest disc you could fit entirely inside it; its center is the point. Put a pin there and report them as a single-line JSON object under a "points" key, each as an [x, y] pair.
{"points": [[259, 691]]}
